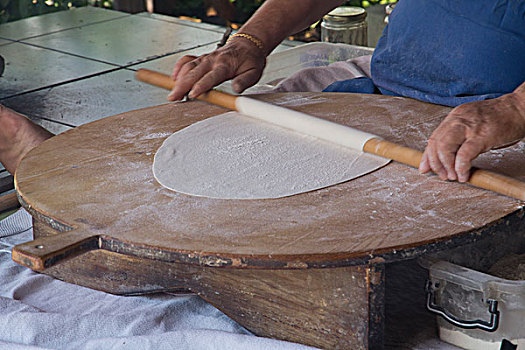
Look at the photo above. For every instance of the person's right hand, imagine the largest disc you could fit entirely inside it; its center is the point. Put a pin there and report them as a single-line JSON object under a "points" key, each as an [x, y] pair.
{"points": [[239, 60]]}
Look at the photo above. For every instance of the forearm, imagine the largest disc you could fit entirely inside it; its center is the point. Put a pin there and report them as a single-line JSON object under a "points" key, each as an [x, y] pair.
{"points": [[512, 106], [520, 90], [277, 19], [518, 96], [243, 58]]}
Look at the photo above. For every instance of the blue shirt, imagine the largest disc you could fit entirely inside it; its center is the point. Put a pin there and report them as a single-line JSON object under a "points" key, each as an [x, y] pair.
{"points": [[452, 51], [448, 52]]}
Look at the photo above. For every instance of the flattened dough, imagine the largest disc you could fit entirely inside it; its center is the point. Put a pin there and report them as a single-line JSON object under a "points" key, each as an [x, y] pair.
{"points": [[232, 156]]}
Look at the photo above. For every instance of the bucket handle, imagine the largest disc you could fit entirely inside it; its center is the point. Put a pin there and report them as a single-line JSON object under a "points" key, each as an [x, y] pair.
{"points": [[489, 326]]}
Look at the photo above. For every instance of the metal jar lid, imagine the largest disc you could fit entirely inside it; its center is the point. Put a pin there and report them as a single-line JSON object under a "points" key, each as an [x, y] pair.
{"points": [[346, 14]]}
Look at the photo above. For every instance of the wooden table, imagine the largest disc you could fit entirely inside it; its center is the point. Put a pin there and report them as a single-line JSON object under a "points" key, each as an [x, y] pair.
{"points": [[308, 268]]}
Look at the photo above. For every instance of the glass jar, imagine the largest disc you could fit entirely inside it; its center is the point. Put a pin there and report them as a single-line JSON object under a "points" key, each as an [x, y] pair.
{"points": [[345, 24]]}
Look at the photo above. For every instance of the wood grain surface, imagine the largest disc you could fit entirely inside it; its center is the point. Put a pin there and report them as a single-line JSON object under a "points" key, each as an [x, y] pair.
{"points": [[338, 308], [8, 202], [98, 179]]}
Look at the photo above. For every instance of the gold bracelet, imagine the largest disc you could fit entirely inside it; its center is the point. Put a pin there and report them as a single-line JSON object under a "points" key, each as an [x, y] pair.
{"points": [[252, 38]]}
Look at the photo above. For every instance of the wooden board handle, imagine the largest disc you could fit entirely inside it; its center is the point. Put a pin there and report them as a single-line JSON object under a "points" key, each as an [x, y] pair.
{"points": [[485, 179], [47, 251], [164, 81], [480, 178], [7, 183], [8, 202]]}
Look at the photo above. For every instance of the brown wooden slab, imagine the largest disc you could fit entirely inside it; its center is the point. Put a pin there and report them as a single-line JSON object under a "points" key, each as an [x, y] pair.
{"points": [[334, 308], [6, 181], [96, 204], [8, 202], [98, 179]]}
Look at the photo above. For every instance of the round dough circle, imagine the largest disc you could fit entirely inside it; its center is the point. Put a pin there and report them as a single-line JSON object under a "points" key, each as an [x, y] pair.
{"points": [[232, 156]]}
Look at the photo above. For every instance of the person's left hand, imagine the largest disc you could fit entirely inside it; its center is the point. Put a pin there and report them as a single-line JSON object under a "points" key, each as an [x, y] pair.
{"points": [[471, 129]]}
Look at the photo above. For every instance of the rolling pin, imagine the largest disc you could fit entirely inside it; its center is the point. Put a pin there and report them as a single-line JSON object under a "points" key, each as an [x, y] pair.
{"points": [[333, 132]]}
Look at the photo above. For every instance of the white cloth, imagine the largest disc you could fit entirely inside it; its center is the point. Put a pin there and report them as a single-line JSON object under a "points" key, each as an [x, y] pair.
{"points": [[39, 312], [318, 78]]}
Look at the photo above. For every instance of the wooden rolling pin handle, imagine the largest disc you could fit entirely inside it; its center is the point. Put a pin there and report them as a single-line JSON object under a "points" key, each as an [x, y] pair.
{"points": [[498, 183], [155, 78], [47, 251], [479, 178], [164, 81], [393, 151]]}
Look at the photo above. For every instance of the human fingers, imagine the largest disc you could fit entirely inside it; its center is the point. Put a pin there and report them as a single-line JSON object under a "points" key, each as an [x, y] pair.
{"points": [[189, 74], [211, 78], [237, 61], [447, 159], [424, 164], [181, 62], [434, 161], [468, 151], [450, 138]]}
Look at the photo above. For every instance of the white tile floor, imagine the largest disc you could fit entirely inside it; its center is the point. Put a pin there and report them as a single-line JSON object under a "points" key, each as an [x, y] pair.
{"points": [[54, 22], [127, 39], [26, 68], [88, 48]]}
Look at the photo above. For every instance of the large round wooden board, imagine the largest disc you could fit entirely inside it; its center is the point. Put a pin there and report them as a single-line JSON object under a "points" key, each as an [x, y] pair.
{"points": [[96, 180]]}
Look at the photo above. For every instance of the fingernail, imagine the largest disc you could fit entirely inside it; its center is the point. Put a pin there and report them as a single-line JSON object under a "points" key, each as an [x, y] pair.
{"points": [[422, 165], [192, 94]]}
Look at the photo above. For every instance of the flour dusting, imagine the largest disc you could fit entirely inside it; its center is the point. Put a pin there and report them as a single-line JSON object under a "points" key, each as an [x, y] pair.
{"points": [[234, 157]]}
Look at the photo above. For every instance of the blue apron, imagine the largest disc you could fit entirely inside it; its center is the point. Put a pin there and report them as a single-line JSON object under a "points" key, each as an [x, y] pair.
{"points": [[448, 52]]}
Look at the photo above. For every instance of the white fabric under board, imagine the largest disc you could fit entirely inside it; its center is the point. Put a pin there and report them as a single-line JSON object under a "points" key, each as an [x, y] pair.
{"points": [[39, 312]]}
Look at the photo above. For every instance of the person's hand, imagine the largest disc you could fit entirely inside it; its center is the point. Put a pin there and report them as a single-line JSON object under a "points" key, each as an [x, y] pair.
{"points": [[239, 60], [471, 129]]}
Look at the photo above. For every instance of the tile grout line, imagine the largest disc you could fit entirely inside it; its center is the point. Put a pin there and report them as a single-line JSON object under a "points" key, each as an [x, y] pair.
{"points": [[190, 24], [149, 59], [126, 65], [11, 41], [62, 83], [53, 121], [63, 30], [68, 53]]}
